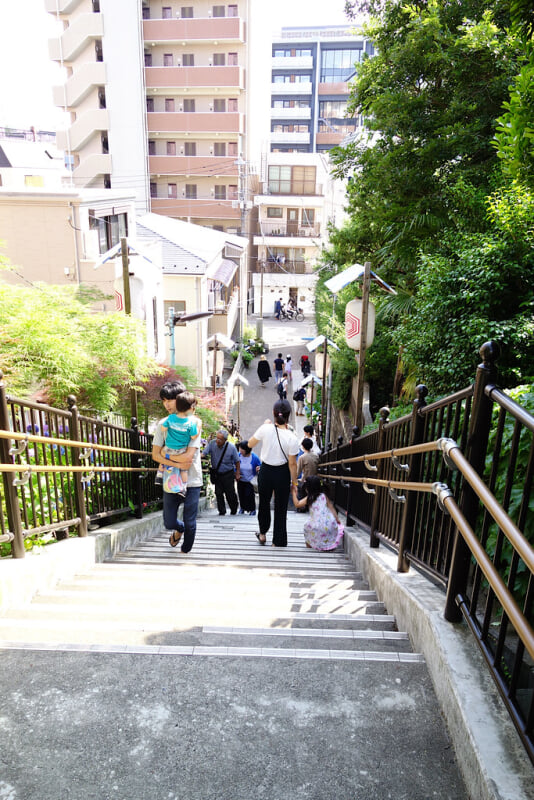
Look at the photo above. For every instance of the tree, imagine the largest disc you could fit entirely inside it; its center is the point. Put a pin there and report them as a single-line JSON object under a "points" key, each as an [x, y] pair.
{"points": [[54, 343]]}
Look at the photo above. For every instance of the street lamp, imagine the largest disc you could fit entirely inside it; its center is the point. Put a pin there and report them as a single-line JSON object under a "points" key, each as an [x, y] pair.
{"points": [[227, 343], [174, 319], [312, 346]]}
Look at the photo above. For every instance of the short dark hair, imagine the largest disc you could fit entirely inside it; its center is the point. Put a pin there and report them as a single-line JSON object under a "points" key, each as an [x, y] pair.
{"points": [[185, 401], [307, 444], [171, 390], [308, 429], [244, 446], [281, 411]]}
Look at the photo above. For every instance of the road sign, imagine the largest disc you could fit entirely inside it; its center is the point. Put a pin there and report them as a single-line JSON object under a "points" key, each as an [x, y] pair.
{"points": [[353, 323]]}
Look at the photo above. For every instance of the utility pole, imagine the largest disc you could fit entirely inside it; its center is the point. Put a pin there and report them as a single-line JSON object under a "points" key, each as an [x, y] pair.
{"points": [[128, 307], [363, 344]]}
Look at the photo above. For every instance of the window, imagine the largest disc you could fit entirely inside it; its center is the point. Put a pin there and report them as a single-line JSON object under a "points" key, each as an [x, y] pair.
{"points": [[338, 66], [232, 11], [171, 191], [275, 213], [190, 148], [171, 148], [189, 105], [153, 189], [291, 180], [191, 191], [218, 11], [219, 149], [232, 104], [219, 60], [33, 180], [220, 192], [219, 105], [308, 217], [146, 12], [188, 60], [232, 191], [167, 60], [166, 12], [148, 59], [110, 228], [96, 6], [232, 149], [151, 147], [169, 104], [150, 104], [280, 180], [232, 59], [186, 12]]}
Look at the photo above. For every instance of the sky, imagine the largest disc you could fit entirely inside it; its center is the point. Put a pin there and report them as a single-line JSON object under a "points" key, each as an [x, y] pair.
{"points": [[28, 75]]}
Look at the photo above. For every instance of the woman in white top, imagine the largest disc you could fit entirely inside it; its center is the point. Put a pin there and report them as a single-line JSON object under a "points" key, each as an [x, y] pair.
{"points": [[278, 472]]}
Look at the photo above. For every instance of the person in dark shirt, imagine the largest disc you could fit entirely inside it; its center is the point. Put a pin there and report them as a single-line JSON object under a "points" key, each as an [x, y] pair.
{"points": [[278, 368]]}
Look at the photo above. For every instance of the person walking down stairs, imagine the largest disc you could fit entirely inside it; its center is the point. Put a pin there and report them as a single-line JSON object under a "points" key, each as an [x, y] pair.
{"points": [[264, 371]]}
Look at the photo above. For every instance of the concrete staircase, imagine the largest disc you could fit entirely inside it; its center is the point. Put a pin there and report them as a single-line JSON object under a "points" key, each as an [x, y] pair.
{"points": [[288, 663]]}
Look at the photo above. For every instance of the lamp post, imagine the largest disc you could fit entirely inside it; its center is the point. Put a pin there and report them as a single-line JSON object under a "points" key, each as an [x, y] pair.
{"points": [[173, 319]]}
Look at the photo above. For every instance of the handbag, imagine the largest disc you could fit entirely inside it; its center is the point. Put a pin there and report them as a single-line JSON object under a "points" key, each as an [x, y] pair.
{"points": [[214, 471], [172, 480]]}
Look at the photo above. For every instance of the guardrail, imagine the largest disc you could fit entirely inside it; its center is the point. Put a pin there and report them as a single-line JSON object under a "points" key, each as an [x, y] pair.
{"points": [[63, 471], [473, 452]]}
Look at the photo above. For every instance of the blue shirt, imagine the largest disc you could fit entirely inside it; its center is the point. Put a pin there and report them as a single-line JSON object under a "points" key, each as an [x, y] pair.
{"points": [[230, 459]]}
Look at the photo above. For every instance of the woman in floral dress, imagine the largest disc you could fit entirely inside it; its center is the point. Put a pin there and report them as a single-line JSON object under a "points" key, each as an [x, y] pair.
{"points": [[323, 530]]}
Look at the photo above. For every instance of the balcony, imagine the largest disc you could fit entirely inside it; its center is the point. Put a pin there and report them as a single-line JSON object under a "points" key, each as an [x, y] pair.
{"points": [[196, 209], [227, 29], [89, 76], [92, 167], [297, 266], [291, 88], [329, 138], [334, 88], [202, 122], [291, 113], [83, 129], [61, 6], [204, 166], [195, 78], [281, 229], [72, 41], [290, 138], [292, 62]]}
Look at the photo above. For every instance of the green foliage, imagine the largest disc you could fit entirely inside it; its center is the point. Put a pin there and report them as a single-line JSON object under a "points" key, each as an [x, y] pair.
{"points": [[53, 342]]}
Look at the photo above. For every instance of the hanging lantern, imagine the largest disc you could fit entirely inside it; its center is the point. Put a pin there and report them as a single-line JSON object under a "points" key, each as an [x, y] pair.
{"points": [[353, 324]]}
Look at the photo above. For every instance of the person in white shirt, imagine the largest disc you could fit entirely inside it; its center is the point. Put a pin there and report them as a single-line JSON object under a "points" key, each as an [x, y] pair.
{"points": [[278, 472]]}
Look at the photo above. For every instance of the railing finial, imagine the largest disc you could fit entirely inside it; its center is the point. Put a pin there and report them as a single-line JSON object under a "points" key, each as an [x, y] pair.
{"points": [[489, 352], [71, 401]]}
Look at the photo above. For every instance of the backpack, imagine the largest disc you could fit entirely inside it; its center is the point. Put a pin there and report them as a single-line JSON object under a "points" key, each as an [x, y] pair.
{"points": [[280, 390], [296, 395]]}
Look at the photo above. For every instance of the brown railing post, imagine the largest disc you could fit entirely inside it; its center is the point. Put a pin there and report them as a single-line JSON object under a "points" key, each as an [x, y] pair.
{"points": [[79, 494], [351, 499], [416, 437], [10, 493], [135, 461], [384, 412], [477, 443]]}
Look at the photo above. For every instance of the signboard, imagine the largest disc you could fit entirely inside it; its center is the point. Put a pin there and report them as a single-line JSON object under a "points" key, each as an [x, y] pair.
{"points": [[353, 324], [220, 362], [237, 394], [319, 364]]}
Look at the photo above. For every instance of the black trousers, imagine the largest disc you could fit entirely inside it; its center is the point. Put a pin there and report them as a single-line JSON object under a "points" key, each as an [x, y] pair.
{"points": [[277, 481], [245, 491], [225, 487]]}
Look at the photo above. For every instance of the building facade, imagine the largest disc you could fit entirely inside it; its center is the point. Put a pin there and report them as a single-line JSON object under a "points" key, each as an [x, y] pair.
{"points": [[311, 73], [160, 96]]}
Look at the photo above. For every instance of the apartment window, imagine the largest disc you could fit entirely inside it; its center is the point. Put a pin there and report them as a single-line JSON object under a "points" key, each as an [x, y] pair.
{"points": [[232, 11], [232, 191], [190, 148], [96, 6], [219, 11], [189, 105], [101, 97], [171, 191], [232, 104], [146, 12], [151, 147], [274, 213], [308, 217], [148, 59], [188, 60], [150, 104], [232, 149], [166, 12], [232, 60], [220, 192], [167, 60], [186, 12], [171, 148], [191, 191], [219, 60], [219, 149], [303, 180], [153, 189], [99, 55], [110, 228], [290, 128], [219, 104], [169, 104], [338, 66]]}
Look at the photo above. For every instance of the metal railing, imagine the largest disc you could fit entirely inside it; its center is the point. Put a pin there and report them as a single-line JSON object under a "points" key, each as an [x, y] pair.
{"points": [[62, 471], [473, 452]]}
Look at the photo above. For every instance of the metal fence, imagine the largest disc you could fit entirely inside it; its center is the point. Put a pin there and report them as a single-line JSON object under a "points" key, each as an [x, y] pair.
{"points": [[449, 488], [63, 471]]}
